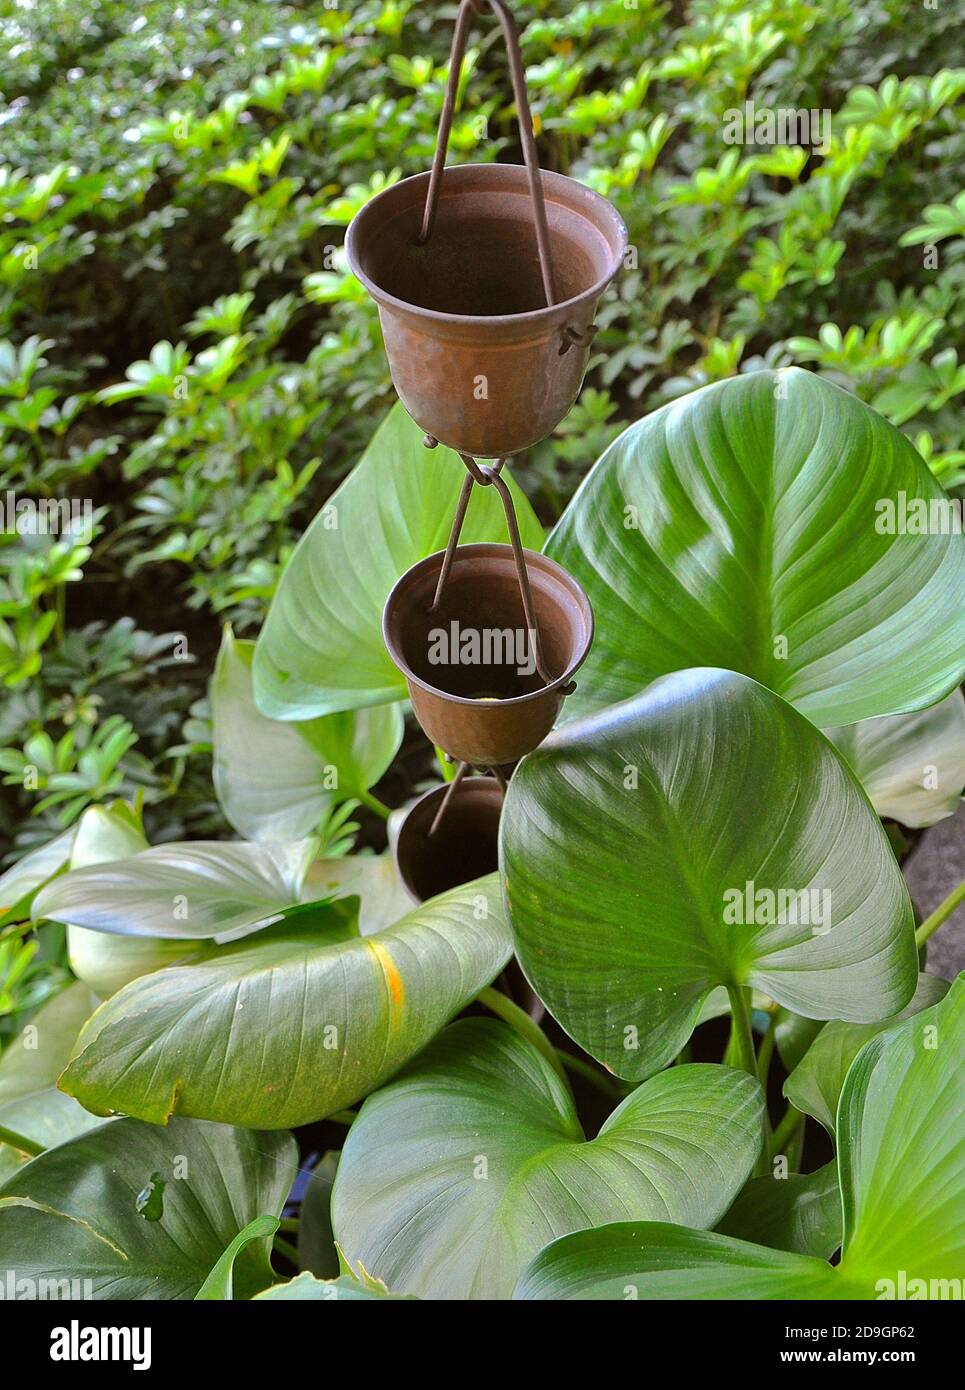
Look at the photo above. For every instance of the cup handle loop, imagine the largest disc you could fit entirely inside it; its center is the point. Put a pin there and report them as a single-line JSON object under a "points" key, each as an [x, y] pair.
{"points": [[510, 33]]}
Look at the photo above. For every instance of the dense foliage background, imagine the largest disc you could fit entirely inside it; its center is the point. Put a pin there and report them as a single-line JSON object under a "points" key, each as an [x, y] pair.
{"points": [[181, 343]]}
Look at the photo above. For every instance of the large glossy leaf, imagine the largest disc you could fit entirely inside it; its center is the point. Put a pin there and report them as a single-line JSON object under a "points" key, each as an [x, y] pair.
{"points": [[295, 1023], [106, 961], [31, 1107], [276, 780], [815, 1084], [628, 842], [737, 527], [456, 1174], [911, 765], [190, 891], [144, 1212], [321, 648], [901, 1161]]}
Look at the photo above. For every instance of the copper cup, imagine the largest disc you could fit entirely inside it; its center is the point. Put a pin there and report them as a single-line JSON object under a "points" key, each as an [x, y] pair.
{"points": [[486, 712], [464, 844], [478, 359]]}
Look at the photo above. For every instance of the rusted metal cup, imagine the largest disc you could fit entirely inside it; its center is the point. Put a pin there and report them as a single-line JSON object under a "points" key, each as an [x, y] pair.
{"points": [[479, 360], [469, 664], [463, 846]]}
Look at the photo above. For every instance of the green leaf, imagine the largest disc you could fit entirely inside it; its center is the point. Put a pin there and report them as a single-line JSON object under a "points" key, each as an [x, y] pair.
{"points": [[22, 880], [650, 820], [794, 1035], [454, 1175], [815, 1084], [372, 877], [652, 1260], [276, 780], [103, 960], [321, 648], [797, 1213], [742, 519], [219, 1285], [189, 891], [286, 1027], [306, 1288], [30, 1104], [316, 1239], [78, 1211], [901, 1162], [911, 765]]}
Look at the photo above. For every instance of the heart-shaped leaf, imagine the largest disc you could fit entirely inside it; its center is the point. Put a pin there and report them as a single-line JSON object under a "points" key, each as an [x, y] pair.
{"points": [[901, 1162], [911, 765], [294, 1023], [191, 891], [33, 1114], [276, 780], [321, 648], [747, 526], [143, 1212], [453, 1176], [711, 835]]}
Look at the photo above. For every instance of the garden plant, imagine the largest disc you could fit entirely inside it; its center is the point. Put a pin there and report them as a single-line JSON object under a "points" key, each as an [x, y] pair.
{"points": [[296, 1004]]}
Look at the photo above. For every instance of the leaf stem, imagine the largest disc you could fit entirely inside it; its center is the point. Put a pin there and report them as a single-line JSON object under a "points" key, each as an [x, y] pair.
{"points": [[521, 1023], [741, 1044], [786, 1130], [942, 911], [767, 1050], [20, 1142], [589, 1073], [374, 804]]}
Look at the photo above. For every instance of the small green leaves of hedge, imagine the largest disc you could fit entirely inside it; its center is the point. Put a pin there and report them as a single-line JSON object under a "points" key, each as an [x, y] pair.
{"points": [[191, 890], [294, 1023], [79, 1211], [463, 1168], [911, 765], [815, 1084], [321, 648], [901, 1163], [275, 781], [628, 840], [739, 527]]}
